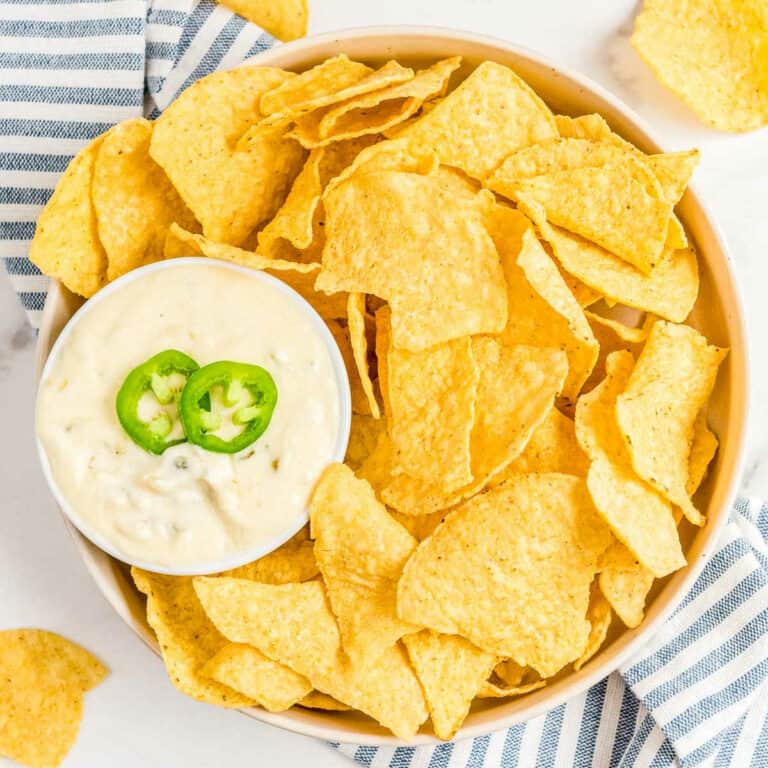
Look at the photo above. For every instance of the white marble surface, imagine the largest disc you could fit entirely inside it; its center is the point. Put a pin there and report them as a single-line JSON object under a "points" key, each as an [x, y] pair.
{"points": [[136, 717]]}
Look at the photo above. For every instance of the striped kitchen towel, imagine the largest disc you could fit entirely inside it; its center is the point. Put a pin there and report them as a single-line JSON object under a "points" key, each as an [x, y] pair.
{"points": [[697, 696]]}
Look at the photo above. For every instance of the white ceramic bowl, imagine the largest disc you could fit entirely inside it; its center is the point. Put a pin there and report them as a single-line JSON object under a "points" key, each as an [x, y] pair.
{"points": [[292, 526], [718, 314]]}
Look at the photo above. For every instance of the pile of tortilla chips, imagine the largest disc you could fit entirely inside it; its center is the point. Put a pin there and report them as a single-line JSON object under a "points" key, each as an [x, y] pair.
{"points": [[43, 678], [508, 289]]}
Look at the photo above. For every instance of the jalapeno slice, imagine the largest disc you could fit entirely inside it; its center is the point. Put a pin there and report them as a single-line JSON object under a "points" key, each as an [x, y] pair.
{"points": [[152, 376], [236, 380]]}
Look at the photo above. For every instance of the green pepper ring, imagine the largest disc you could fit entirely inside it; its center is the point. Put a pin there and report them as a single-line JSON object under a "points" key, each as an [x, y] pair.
{"points": [[139, 381], [194, 404]]}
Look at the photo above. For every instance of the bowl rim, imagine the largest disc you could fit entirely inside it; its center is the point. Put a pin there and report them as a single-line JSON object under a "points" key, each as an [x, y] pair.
{"points": [[632, 640], [293, 526]]}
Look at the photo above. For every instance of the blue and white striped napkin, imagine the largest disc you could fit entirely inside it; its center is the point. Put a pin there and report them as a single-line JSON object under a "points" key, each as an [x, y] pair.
{"points": [[697, 695]]}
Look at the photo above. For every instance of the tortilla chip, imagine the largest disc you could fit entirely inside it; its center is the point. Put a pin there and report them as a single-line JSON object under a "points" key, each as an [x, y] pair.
{"points": [[134, 201], [511, 570], [703, 450], [619, 205], [506, 115], [670, 291], [186, 636], [231, 173], [542, 311], [66, 244], [317, 700], [290, 562], [599, 616], [330, 82], [552, 448], [361, 552], [249, 672], [376, 111], [442, 280], [656, 413], [625, 583], [451, 671], [363, 436], [432, 409], [359, 342], [516, 390], [638, 516], [490, 690], [44, 677], [293, 625], [286, 20], [713, 55]]}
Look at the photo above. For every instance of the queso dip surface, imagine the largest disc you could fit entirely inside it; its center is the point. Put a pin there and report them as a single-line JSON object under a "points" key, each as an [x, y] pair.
{"points": [[189, 505]]}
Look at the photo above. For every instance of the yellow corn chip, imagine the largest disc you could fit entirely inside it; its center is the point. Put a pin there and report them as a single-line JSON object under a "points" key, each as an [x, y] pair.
{"points": [[317, 700], [359, 342], [619, 205], [285, 20], [490, 690], [186, 636], [670, 384], [625, 583], [330, 82], [292, 561], [638, 516], [441, 273], [451, 671], [511, 570], [134, 201], [376, 111], [599, 616], [249, 672], [293, 625], [432, 409], [670, 290], [66, 245], [360, 403], [363, 436], [361, 552], [542, 310], [506, 115], [552, 448], [703, 450], [232, 178], [713, 54], [516, 390], [43, 679]]}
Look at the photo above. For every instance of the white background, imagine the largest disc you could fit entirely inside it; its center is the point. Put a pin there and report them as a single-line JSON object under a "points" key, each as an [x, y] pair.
{"points": [[136, 718]]}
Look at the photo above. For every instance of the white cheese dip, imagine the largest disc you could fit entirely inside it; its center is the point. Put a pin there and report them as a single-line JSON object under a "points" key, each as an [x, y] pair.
{"points": [[189, 506]]}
